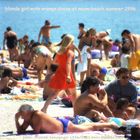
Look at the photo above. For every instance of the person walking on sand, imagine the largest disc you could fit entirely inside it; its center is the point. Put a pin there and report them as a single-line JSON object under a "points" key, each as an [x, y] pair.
{"points": [[10, 39], [45, 32], [63, 78]]}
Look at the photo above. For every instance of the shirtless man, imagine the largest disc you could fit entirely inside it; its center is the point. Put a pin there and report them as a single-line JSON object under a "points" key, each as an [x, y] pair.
{"points": [[134, 43], [45, 32], [92, 101], [82, 32], [41, 122], [10, 39]]}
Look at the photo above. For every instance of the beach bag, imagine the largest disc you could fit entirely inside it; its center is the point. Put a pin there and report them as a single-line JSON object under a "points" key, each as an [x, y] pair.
{"points": [[67, 101], [135, 133]]}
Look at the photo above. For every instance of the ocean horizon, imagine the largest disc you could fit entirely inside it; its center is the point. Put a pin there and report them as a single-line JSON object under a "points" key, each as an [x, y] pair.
{"points": [[27, 17]]}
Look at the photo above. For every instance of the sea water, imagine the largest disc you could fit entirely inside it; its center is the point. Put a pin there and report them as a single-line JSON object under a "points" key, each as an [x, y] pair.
{"points": [[28, 16]]}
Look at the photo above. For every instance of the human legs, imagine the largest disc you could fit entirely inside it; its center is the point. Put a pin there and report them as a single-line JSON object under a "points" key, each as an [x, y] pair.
{"points": [[90, 127], [13, 53], [82, 76], [49, 99], [10, 54], [73, 69]]}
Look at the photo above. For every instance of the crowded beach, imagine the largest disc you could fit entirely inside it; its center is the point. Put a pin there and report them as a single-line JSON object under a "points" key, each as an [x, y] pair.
{"points": [[98, 81]]}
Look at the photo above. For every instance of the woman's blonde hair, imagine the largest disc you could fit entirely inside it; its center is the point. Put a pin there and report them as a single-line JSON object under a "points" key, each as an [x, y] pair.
{"points": [[66, 41]]}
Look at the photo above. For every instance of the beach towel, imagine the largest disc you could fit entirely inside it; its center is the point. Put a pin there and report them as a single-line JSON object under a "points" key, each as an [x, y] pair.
{"points": [[109, 135]]}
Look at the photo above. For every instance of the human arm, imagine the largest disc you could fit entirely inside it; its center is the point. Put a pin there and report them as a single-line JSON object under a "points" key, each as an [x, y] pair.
{"points": [[133, 97], [20, 127], [13, 82], [133, 44], [39, 35], [68, 65], [88, 67], [89, 61], [81, 44], [52, 27], [4, 40], [103, 96], [19, 59], [109, 89], [79, 53], [81, 34], [96, 102]]}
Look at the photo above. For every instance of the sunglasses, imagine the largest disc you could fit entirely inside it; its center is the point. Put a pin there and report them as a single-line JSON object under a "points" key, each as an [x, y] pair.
{"points": [[125, 77]]}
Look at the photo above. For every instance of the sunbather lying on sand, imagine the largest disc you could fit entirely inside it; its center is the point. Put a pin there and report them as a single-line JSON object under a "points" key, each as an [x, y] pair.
{"points": [[20, 72], [41, 122]]}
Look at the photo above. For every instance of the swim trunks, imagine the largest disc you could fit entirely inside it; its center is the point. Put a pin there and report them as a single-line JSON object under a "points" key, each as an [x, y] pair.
{"points": [[46, 40], [24, 71], [11, 42], [81, 119], [65, 123]]}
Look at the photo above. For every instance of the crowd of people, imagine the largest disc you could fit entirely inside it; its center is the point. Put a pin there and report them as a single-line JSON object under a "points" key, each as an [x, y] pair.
{"points": [[105, 107]]}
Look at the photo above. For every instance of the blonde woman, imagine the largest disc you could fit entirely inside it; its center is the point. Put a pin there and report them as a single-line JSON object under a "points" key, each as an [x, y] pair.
{"points": [[63, 78]]}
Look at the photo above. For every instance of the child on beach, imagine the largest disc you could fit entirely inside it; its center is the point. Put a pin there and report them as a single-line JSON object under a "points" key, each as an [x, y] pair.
{"points": [[44, 83], [115, 62], [121, 106], [132, 111], [124, 59]]}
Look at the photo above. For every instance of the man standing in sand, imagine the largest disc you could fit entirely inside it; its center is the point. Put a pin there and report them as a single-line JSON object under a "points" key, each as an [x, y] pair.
{"points": [[10, 39], [45, 32], [134, 43]]}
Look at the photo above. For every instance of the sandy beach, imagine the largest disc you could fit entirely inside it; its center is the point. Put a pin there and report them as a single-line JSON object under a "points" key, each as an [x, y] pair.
{"points": [[9, 108]]}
